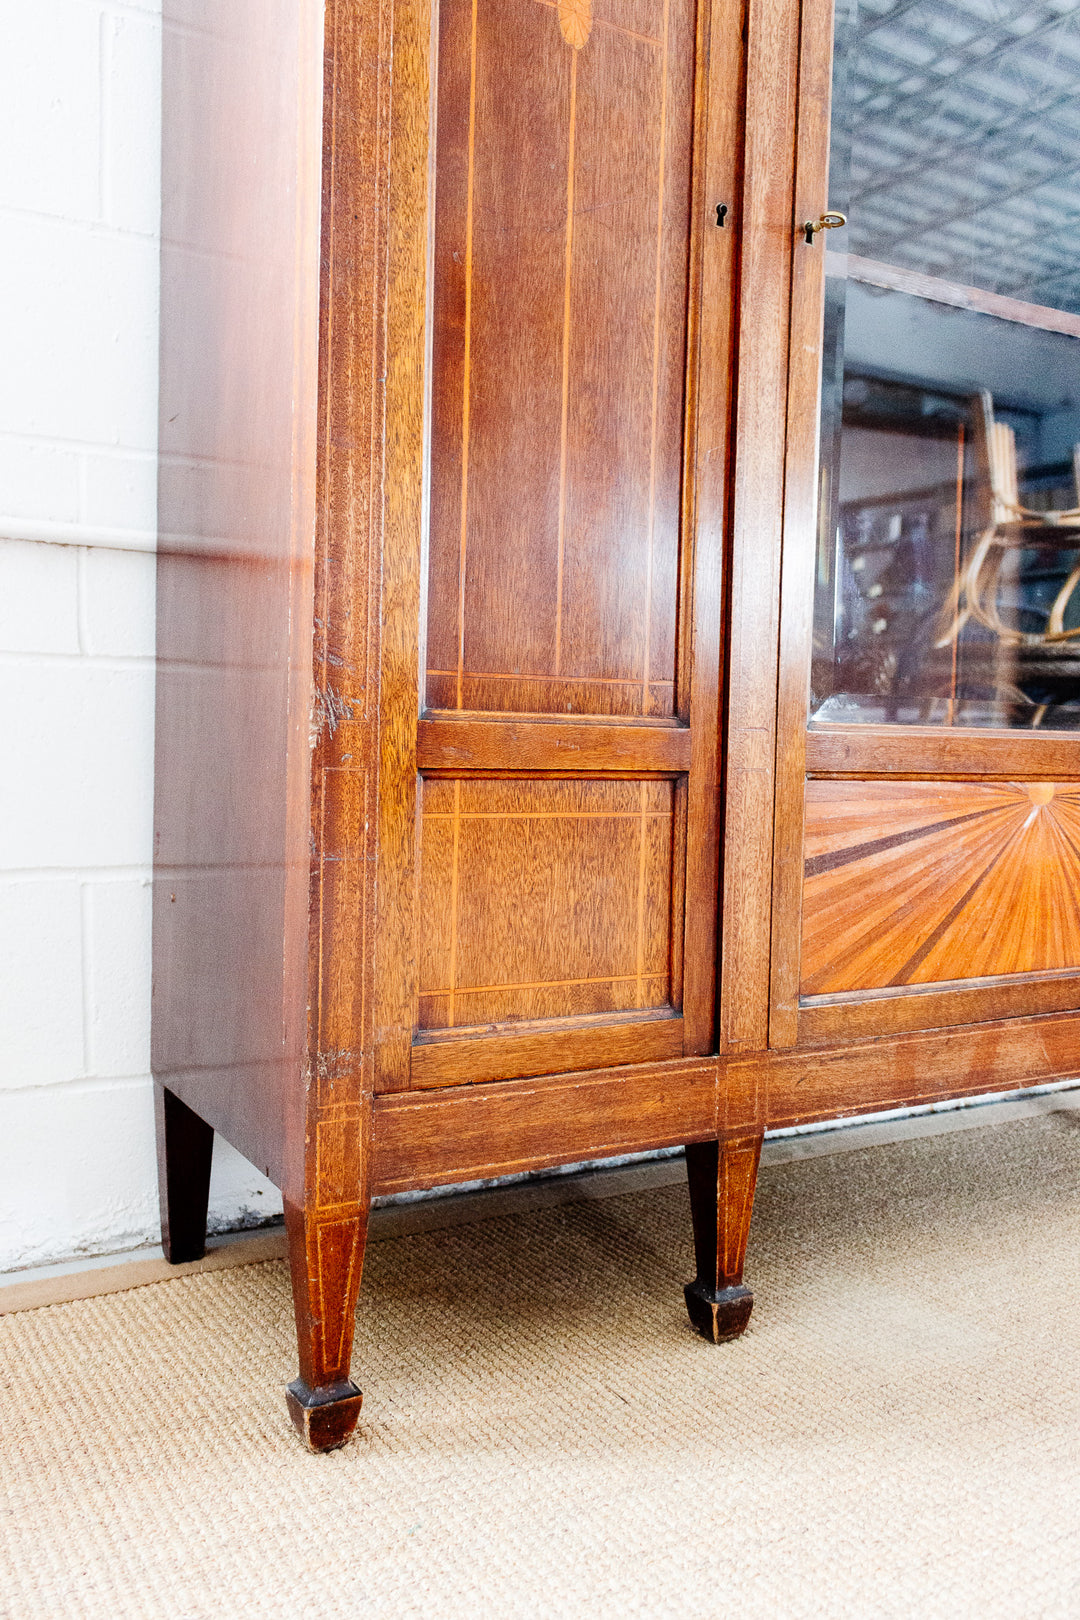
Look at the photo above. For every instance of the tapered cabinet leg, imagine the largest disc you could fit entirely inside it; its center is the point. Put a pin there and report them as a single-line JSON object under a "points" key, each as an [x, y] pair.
{"points": [[326, 1257], [185, 1147], [722, 1177]]}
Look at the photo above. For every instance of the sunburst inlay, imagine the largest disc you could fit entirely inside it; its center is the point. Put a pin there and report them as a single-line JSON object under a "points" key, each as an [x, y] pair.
{"points": [[575, 20], [924, 882]]}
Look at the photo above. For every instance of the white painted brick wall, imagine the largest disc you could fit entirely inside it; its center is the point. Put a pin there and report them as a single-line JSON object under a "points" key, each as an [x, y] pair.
{"points": [[79, 205]]}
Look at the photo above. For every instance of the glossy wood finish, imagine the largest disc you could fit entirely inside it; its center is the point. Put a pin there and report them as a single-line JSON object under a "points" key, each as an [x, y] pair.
{"points": [[562, 187], [848, 1015], [406, 44], [860, 1076], [860, 934], [301, 898], [911, 882], [239, 381], [426, 1139], [326, 1217], [721, 1176], [588, 864], [562, 551], [478, 623], [185, 1146], [941, 751], [516, 746], [448, 1058], [799, 519], [772, 33], [265, 733]]}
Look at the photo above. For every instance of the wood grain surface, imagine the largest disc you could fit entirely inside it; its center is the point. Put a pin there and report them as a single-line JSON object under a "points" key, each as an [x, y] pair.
{"points": [[756, 517], [424, 1139], [863, 1076], [912, 882], [941, 751], [721, 1177], [239, 384], [467, 1133], [546, 1046], [573, 612], [558, 372], [706, 498], [481, 743], [543, 899], [327, 1196], [799, 517], [851, 1014], [475, 443]]}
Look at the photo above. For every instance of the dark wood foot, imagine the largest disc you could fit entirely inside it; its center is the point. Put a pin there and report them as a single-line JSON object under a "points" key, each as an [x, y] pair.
{"points": [[326, 1257], [324, 1418], [185, 1148], [720, 1313], [722, 1177]]}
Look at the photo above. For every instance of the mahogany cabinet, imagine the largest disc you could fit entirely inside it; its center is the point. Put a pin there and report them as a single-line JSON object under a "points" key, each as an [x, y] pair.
{"points": [[588, 717]]}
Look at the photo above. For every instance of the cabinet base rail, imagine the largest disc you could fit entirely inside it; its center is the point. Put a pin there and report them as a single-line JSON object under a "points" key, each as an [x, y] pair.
{"points": [[718, 1107]]}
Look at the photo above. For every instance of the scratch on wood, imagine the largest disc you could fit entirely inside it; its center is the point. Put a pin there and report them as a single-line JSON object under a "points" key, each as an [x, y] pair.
{"points": [[328, 708], [333, 1063]]}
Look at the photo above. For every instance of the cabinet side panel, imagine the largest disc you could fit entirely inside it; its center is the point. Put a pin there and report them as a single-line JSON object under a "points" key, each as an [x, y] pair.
{"points": [[239, 378]]}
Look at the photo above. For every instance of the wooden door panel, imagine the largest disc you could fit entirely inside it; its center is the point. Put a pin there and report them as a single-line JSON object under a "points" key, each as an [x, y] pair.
{"points": [[544, 899], [563, 750], [559, 359], [912, 884], [926, 858], [485, 743], [520, 1051], [938, 752]]}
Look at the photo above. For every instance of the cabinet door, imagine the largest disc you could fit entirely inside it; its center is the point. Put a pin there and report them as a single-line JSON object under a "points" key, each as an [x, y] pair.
{"points": [[936, 680], [551, 693]]}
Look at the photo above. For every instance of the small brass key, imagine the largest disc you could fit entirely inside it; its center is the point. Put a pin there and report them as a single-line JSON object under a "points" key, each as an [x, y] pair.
{"points": [[827, 222]]}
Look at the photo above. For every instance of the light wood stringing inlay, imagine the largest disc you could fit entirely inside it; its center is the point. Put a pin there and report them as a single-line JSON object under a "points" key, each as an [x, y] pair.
{"points": [[575, 20], [921, 882], [559, 354], [544, 899]]}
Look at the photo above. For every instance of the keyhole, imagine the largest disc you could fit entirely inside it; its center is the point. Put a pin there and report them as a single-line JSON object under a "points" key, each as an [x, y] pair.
{"points": [[721, 213]]}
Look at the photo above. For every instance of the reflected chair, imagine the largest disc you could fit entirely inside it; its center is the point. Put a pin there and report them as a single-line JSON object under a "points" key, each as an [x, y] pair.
{"points": [[1008, 528], [1005, 528]]}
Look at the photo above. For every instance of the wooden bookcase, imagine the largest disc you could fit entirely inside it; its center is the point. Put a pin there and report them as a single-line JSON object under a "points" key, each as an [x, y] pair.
{"points": [[489, 385]]}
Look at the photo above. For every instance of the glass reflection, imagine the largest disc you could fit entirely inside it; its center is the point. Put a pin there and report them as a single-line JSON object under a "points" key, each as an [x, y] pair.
{"points": [[948, 577]]}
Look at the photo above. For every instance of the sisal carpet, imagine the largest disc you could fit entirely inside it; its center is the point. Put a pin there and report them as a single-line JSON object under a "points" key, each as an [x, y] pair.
{"points": [[898, 1434]]}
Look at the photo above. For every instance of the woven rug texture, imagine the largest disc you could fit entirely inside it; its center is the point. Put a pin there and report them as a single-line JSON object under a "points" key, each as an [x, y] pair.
{"points": [[898, 1433]]}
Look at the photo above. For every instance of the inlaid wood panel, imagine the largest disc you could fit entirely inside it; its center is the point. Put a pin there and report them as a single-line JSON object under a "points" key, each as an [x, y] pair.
{"points": [[544, 899], [560, 291], [923, 882]]}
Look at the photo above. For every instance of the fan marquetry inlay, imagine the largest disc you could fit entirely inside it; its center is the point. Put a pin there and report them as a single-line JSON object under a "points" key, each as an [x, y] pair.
{"points": [[922, 882], [575, 20]]}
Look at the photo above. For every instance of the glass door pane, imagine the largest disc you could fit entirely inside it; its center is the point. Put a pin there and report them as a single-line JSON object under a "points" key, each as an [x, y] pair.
{"points": [[948, 569]]}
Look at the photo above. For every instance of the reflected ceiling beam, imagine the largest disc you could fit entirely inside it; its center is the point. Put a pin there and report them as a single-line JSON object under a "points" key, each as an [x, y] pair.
{"points": [[1007, 256], [1059, 284], [1003, 133], [963, 56], [994, 201], [872, 273], [872, 24]]}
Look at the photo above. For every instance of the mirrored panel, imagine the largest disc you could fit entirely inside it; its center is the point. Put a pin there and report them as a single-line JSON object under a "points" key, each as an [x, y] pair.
{"points": [[948, 566]]}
